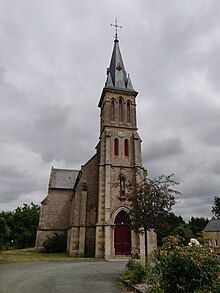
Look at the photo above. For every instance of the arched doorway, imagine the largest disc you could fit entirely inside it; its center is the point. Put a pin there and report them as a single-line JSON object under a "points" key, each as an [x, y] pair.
{"points": [[122, 239]]}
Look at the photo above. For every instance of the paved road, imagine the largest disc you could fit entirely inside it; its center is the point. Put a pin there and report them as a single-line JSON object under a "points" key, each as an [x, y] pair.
{"points": [[65, 276]]}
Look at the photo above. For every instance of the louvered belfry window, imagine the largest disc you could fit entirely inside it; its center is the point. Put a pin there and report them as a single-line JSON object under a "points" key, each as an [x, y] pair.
{"points": [[128, 112], [121, 110], [112, 110]]}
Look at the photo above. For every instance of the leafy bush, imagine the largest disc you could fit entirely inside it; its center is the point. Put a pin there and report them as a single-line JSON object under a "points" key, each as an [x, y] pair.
{"points": [[56, 243], [18, 229], [186, 269], [134, 272], [177, 268]]}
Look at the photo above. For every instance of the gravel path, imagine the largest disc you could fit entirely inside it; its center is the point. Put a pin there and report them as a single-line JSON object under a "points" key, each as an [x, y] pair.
{"points": [[65, 276]]}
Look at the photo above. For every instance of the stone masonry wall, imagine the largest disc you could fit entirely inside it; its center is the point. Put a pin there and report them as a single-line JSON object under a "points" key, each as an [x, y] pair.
{"points": [[54, 217]]}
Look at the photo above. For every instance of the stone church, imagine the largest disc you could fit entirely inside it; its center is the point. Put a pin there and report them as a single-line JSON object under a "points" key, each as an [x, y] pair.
{"points": [[90, 205]]}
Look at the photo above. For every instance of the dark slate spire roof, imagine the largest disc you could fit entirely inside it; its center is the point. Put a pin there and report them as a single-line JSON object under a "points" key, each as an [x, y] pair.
{"points": [[116, 75], [117, 78]]}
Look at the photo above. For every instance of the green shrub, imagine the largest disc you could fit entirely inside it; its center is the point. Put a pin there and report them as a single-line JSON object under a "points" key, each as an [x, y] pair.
{"points": [[134, 272], [56, 243], [178, 269], [187, 269]]}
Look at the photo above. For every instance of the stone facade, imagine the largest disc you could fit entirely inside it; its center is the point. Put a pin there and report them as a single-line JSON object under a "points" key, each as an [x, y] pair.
{"points": [[90, 205], [212, 233]]}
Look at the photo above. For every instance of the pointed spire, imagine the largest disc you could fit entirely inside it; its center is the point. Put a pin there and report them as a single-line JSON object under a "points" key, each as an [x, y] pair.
{"points": [[129, 84], [116, 74], [109, 82]]}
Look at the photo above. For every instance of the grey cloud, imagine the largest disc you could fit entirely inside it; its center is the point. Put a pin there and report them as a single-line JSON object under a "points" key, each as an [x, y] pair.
{"points": [[210, 135], [52, 73], [16, 181], [193, 206], [215, 168], [162, 148]]}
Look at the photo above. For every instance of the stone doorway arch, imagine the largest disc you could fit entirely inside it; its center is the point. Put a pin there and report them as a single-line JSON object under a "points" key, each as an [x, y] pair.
{"points": [[122, 234]]}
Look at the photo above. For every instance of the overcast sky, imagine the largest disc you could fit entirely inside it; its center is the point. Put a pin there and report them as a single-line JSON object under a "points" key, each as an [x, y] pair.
{"points": [[53, 60]]}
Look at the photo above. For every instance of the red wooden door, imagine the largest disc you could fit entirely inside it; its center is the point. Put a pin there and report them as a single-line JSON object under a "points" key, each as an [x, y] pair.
{"points": [[122, 239], [122, 234]]}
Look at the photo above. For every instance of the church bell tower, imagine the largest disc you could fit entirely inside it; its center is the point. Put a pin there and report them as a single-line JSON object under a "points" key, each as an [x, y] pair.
{"points": [[120, 161]]}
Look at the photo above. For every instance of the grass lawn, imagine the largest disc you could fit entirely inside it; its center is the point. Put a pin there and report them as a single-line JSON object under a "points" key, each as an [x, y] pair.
{"points": [[29, 255]]}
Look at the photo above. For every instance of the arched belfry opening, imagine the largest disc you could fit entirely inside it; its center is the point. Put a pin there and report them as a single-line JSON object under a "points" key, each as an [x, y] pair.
{"points": [[122, 237]]}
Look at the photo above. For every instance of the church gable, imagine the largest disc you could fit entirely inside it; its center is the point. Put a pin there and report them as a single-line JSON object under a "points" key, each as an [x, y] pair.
{"points": [[55, 208]]}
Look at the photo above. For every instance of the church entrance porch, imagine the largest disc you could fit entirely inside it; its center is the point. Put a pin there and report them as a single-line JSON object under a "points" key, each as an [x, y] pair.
{"points": [[122, 235]]}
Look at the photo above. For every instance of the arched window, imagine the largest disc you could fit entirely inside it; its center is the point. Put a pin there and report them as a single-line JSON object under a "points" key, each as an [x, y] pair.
{"points": [[116, 147], [121, 218], [112, 110], [126, 148], [121, 110], [128, 112]]}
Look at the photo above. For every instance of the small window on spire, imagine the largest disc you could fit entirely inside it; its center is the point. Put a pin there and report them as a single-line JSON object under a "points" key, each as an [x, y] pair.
{"points": [[128, 112], [112, 110], [116, 147], [126, 148], [121, 110]]}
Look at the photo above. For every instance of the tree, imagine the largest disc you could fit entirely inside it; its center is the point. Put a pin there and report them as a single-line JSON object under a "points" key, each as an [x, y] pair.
{"points": [[171, 221], [26, 220], [21, 226], [6, 238], [4, 233], [151, 201], [216, 207], [196, 225], [184, 232]]}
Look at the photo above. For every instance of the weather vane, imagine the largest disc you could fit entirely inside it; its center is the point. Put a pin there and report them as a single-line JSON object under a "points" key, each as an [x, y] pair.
{"points": [[116, 28]]}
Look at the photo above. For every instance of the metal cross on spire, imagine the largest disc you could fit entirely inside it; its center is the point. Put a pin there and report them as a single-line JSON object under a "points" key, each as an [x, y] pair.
{"points": [[116, 28]]}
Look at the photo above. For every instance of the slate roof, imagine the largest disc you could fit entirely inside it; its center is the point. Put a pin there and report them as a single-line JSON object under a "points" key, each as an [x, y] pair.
{"points": [[116, 75], [117, 78], [212, 226], [63, 178]]}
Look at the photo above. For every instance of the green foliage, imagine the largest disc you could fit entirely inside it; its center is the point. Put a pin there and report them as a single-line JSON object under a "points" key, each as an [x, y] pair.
{"points": [[134, 272], [196, 225], [184, 232], [4, 234], [178, 268], [186, 269], [202, 239], [171, 221], [26, 220], [153, 280], [56, 243], [216, 207], [151, 200], [175, 225], [22, 226]]}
